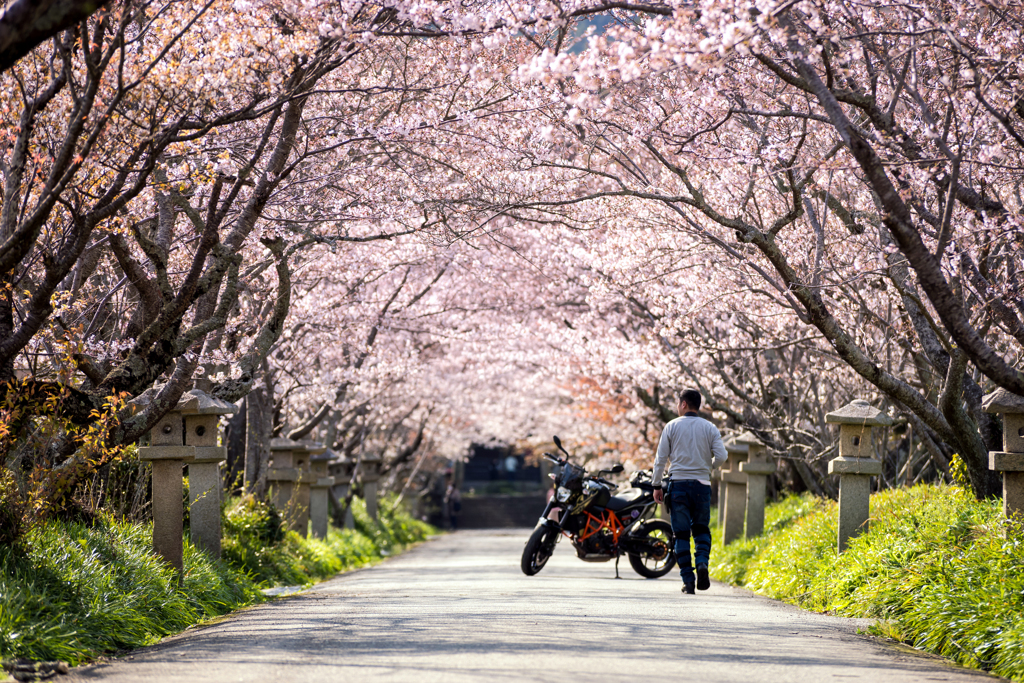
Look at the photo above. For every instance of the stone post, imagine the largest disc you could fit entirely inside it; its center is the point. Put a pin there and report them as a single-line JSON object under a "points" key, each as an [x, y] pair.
{"points": [[716, 481], [1011, 460], [370, 466], [202, 428], [757, 468], [722, 487], [735, 482], [282, 476], [340, 470], [168, 454], [300, 494], [304, 452], [319, 483], [854, 465]]}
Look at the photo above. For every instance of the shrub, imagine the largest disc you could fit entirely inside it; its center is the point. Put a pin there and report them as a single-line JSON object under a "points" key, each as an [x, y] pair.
{"points": [[934, 569], [255, 543], [70, 591]]}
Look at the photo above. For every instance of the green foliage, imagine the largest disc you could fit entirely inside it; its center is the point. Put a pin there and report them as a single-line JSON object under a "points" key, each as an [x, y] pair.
{"points": [[256, 543], [11, 509], [934, 569], [730, 564], [70, 591], [958, 471], [393, 529]]}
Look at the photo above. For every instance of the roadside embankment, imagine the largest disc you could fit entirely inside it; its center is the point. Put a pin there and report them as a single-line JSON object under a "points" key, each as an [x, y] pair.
{"points": [[934, 569], [71, 592]]}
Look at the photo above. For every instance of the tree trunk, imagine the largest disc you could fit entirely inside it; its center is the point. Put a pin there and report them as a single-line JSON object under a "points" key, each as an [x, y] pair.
{"points": [[6, 327], [257, 441], [235, 439]]}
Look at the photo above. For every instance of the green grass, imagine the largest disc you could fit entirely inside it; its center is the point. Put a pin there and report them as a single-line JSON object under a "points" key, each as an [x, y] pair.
{"points": [[254, 544], [934, 570], [72, 592]]}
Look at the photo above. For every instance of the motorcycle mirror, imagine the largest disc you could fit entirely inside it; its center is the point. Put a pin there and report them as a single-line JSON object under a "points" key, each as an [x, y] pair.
{"points": [[616, 469], [558, 442]]}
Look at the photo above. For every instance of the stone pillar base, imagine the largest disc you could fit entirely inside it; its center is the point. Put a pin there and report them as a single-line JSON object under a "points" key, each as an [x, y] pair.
{"points": [[735, 509], [370, 496], [301, 518], [854, 495], [721, 502], [318, 506], [341, 492], [1012, 467], [757, 484], [204, 506], [168, 511]]}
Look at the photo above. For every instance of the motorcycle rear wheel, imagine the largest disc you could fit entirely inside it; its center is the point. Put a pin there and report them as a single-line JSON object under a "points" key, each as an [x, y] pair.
{"points": [[659, 559], [538, 550]]}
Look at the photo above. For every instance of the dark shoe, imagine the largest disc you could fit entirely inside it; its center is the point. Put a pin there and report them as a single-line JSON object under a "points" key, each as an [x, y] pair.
{"points": [[703, 582], [688, 588]]}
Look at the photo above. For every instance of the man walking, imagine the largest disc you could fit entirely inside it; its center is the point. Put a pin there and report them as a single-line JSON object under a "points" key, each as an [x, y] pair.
{"points": [[691, 447]]}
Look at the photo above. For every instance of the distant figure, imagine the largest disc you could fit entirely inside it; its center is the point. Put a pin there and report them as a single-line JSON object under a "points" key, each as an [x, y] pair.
{"points": [[452, 502], [511, 465], [690, 447]]}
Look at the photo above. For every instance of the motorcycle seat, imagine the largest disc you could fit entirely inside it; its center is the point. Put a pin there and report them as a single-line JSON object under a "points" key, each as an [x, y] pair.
{"points": [[624, 499]]}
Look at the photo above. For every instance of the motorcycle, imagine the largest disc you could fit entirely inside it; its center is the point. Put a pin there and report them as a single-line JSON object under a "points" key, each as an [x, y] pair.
{"points": [[601, 526]]}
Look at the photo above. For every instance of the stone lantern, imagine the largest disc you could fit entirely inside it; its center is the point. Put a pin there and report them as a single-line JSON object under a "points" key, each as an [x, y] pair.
{"points": [[292, 474], [735, 482], [282, 476], [340, 469], [168, 454], [855, 464], [370, 466], [202, 430], [757, 468], [716, 482], [319, 486], [1011, 460], [186, 435], [303, 453]]}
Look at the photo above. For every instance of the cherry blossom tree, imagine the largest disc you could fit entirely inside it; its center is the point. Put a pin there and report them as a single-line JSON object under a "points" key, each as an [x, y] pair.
{"points": [[401, 228], [714, 113]]}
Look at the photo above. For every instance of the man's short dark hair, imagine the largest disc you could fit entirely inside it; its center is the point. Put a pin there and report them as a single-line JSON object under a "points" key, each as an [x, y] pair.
{"points": [[692, 398]]}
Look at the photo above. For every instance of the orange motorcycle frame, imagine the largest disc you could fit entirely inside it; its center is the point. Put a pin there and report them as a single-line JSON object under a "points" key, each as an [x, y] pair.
{"points": [[595, 523]]}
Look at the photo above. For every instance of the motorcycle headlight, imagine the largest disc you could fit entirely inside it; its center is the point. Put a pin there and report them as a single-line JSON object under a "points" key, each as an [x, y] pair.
{"points": [[562, 494]]}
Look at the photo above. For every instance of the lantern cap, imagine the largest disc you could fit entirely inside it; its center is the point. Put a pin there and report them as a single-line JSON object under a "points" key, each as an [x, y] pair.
{"points": [[194, 402], [731, 446], [859, 412], [309, 447], [319, 451], [336, 458], [748, 438], [1002, 401], [198, 402]]}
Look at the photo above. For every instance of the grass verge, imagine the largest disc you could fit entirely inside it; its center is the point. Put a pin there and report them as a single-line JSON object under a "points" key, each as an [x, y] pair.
{"points": [[72, 592], [934, 569]]}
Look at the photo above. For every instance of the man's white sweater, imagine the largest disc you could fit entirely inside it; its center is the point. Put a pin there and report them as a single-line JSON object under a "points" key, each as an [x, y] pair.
{"points": [[691, 447]]}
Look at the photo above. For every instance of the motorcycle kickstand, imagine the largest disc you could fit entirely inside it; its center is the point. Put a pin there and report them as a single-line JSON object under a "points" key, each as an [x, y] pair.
{"points": [[617, 556]]}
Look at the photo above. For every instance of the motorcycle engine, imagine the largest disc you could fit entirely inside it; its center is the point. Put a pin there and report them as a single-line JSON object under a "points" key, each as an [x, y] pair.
{"points": [[595, 548]]}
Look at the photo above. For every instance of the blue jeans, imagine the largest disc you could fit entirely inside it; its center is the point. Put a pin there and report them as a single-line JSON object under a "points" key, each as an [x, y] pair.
{"points": [[689, 503]]}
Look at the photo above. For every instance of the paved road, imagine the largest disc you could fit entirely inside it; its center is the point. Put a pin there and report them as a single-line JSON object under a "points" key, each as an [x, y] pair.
{"points": [[458, 609]]}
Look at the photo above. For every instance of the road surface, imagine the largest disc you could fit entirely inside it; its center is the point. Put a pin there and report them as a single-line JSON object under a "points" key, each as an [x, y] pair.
{"points": [[458, 609]]}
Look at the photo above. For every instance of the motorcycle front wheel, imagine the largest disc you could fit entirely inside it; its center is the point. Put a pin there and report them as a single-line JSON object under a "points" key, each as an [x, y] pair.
{"points": [[538, 549], [653, 541]]}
